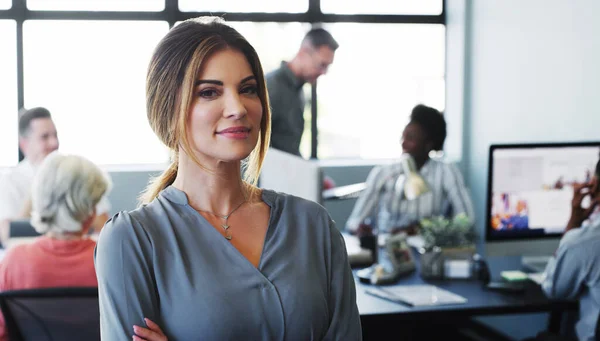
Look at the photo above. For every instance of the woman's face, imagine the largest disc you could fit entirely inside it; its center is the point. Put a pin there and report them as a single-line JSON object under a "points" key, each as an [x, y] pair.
{"points": [[415, 141], [225, 115]]}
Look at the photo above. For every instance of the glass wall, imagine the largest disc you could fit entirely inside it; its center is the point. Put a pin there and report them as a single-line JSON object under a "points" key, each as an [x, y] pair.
{"points": [[8, 94], [86, 61]]}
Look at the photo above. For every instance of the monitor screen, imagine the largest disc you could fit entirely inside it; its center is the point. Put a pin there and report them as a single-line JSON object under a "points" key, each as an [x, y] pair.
{"points": [[530, 187]]}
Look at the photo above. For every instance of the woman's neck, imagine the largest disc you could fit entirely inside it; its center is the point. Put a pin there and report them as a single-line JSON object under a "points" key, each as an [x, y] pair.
{"points": [[421, 162], [216, 190], [65, 235]]}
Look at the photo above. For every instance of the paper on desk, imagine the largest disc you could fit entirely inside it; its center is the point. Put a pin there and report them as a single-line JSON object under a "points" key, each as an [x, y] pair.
{"points": [[417, 295], [416, 241], [537, 277]]}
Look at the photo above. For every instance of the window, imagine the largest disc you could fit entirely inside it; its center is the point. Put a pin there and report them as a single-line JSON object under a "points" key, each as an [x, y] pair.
{"points": [[286, 37], [274, 42], [96, 5], [419, 7], [241, 6], [92, 78], [87, 64], [380, 72], [8, 100]]}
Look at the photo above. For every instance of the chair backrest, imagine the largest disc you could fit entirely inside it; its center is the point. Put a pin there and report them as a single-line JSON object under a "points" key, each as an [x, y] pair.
{"points": [[22, 228], [51, 314], [597, 333]]}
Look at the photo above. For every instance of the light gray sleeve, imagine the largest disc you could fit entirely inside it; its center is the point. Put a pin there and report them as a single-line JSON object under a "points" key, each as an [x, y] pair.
{"points": [[126, 285], [344, 317], [458, 194], [367, 200], [10, 201], [565, 273]]}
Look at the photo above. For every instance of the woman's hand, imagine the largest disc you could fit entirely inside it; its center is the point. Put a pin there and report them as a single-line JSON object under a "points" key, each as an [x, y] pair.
{"points": [[152, 333], [578, 213]]}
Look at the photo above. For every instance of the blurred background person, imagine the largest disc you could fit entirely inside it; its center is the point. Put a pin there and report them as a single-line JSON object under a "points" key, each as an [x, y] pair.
{"points": [[286, 96], [574, 270], [284, 84], [448, 195], [38, 137], [65, 192]]}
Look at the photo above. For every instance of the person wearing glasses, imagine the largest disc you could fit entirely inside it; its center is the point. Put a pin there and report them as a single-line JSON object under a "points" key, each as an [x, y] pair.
{"points": [[285, 84]]}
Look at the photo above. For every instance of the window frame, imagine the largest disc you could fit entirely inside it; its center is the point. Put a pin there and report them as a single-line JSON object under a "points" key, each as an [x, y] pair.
{"points": [[172, 14]]}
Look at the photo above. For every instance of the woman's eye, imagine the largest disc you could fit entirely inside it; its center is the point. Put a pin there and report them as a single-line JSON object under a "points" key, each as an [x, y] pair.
{"points": [[251, 90], [207, 93]]}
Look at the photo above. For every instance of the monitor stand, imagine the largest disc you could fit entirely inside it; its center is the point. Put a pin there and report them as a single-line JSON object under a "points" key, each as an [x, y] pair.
{"points": [[528, 250]]}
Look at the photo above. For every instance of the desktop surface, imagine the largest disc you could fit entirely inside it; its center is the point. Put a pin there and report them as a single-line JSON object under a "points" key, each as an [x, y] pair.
{"points": [[480, 301], [380, 317]]}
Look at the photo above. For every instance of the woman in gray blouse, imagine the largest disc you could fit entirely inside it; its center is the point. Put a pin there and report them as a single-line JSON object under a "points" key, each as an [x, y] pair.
{"points": [[209, 255]]}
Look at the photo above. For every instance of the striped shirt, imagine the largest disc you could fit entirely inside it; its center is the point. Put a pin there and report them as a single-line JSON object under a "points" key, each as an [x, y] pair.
{"points": [[384, 205]]}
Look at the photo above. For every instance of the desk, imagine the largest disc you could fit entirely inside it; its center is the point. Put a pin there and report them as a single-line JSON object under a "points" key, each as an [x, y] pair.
{"points": [[376, 312]]}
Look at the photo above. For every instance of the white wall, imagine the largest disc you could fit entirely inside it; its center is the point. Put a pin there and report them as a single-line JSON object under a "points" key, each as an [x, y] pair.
{"points": [[534, 75], [531, 74]]}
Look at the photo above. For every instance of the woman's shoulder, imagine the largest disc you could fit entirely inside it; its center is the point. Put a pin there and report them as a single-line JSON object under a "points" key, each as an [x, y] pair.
{"points": [[289, 203], [440, 162], [15, 254], [125, 225]]}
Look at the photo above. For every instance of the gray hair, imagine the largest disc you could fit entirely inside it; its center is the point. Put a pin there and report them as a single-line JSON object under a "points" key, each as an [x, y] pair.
{"points": [[65, 192]]}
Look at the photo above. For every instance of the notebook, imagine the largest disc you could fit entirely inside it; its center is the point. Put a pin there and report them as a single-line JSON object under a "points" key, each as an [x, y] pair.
{"points": [[417, 295]]}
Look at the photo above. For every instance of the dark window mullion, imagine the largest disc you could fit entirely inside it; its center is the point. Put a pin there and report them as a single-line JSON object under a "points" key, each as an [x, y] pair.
{"points": [[314, 11], [171, 11], [19, 8]]}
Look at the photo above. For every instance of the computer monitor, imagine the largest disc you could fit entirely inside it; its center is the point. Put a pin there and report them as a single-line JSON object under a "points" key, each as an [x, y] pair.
{"points": [[530, 187], [291, 174], [22, 228]]}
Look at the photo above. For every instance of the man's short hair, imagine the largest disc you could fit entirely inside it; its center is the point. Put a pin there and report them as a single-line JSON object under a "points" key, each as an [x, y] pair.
{"points": [[433, 122], [26, 116], [598, 169], [318, 37]]}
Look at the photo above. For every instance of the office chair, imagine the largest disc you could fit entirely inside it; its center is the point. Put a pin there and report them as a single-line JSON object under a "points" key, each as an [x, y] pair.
{"points": [[51, 314], [547, 336], [22, 228]]}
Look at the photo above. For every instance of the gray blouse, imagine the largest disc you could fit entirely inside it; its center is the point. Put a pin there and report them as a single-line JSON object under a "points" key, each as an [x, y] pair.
{"points": [[164, 261]]}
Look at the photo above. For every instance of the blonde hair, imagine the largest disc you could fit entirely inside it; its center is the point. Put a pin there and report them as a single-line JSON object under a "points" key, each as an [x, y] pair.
{"points": [[170, 87], [65, 192]]}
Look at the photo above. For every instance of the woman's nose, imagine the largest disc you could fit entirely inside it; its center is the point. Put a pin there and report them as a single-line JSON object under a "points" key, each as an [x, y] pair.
{"points": [[234, 106]]}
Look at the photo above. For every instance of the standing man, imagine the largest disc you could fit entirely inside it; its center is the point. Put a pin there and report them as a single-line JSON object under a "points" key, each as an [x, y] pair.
{"points": [[285, 88], [37, 139]]}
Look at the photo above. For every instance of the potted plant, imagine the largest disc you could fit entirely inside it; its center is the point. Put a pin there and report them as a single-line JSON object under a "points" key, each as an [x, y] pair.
{"points": [[450, 239]]}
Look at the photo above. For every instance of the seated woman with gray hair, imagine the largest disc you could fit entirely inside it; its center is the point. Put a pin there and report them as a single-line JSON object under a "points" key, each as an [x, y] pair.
{"points": [[65, 192]]}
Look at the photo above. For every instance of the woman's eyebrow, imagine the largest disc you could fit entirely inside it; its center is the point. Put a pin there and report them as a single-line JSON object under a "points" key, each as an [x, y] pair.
{"points": [[208, 81], [216, 82], [249, 78]]}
